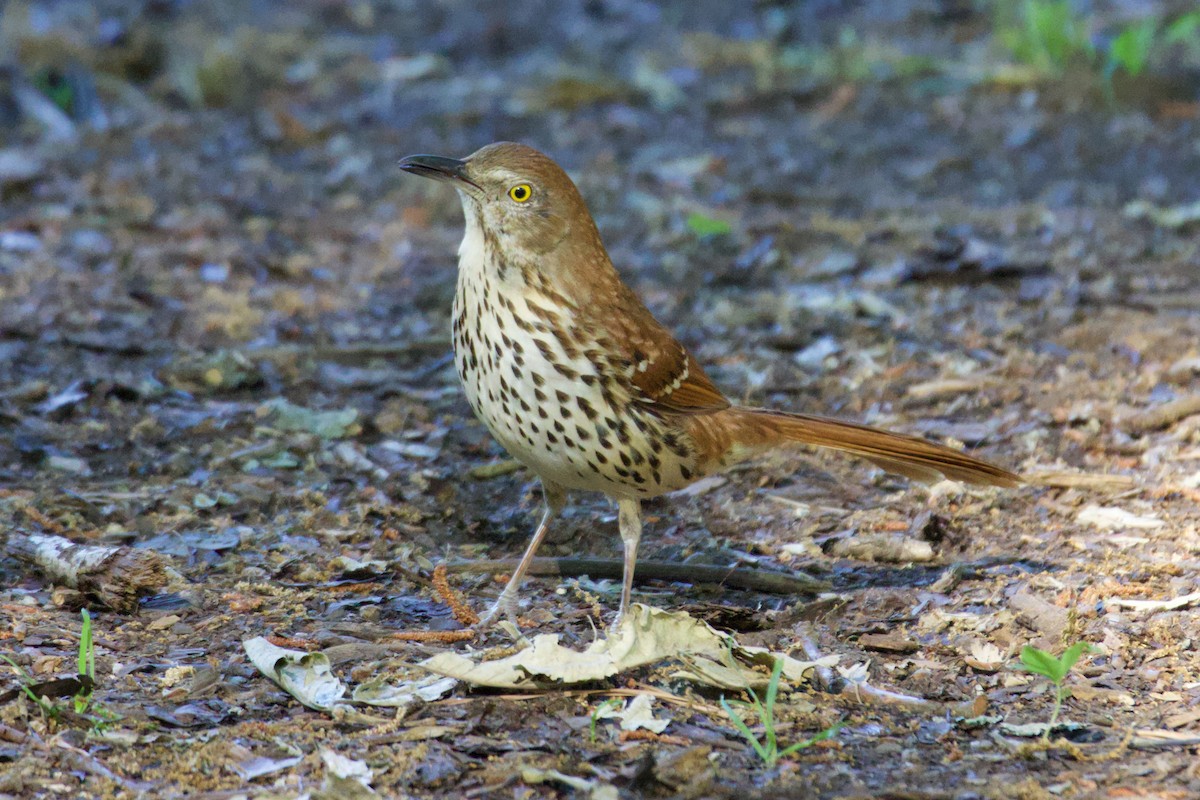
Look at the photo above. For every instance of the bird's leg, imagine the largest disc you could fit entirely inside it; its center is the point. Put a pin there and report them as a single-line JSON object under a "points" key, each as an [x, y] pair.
{"points": [[629, 520], [555, 497]]}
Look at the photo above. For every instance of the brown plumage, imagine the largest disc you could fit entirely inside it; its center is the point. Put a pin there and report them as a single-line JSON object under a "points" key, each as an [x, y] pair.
{"points": [[575, 377]]}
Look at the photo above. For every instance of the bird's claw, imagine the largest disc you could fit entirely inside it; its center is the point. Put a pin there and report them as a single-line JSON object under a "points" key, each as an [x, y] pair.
{"points": [[505, 605]]}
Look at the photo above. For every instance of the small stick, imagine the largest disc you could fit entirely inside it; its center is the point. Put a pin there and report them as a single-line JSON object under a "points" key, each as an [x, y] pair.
{"points": [[640, 735], [445, 637], [116, 576], [752, 579], [1161, 416]]}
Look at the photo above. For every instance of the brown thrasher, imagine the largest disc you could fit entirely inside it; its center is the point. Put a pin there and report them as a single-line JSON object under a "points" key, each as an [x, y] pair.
{"points": [[579, 382]]}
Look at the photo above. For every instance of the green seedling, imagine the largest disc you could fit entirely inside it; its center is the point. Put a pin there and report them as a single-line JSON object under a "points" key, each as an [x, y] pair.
{"points": [[1184, 30], [79, 688], [611, 702], [704, 226], [1138, 42], [1047, 35], [1056, 670], [768, 748], [87, 664], [1130, 51], [27, 684]]}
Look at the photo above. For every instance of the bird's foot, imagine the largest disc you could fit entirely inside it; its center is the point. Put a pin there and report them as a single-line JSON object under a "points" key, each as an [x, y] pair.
{"points": [[506, 606], [622, 618]]}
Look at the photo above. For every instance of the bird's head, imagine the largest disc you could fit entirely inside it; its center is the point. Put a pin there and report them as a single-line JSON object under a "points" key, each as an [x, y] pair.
{"points": [[521, 199]]}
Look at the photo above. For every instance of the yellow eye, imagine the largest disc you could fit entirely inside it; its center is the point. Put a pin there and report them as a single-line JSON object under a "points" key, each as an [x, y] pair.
{"points": [[521, 192]]}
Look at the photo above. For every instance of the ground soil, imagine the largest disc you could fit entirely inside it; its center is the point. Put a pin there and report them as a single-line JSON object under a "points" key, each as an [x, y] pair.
{"points": [[916, 238]]}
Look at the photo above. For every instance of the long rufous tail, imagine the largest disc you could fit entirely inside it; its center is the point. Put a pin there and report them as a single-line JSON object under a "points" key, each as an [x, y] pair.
{"points": [[736, 431]]}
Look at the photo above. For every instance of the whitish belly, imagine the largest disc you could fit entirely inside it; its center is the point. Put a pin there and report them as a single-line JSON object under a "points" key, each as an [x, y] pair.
{"points": [[550, 412]]}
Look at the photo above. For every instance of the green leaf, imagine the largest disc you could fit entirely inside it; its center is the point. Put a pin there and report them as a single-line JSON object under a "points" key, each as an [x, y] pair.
{"points": [[701, 225], [1042, 663], [773, 686], [87, 647], [1184, 29], [1131, 49], [747, 733], [828, 733], [1073, 654]]}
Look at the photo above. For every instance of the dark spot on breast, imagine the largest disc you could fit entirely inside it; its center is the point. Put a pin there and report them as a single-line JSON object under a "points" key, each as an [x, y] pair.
{"points": [[586, 407], [567, 372]]}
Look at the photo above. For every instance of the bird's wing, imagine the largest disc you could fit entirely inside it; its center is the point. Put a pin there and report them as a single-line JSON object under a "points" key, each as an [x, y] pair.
{"points": [[667, 375]]}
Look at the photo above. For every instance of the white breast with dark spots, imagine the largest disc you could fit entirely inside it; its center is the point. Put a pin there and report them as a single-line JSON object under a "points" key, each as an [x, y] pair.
{"points": [[560, 413]]}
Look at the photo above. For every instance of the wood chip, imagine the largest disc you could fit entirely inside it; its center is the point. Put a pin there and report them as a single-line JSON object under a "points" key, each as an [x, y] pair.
{"points": [[888, 643], [949, 386], [1039, 614], [1164, 415], [1081, 480]]}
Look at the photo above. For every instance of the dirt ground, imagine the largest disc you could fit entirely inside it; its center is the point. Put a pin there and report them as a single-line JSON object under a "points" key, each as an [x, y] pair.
{"points": [[851, 209]]}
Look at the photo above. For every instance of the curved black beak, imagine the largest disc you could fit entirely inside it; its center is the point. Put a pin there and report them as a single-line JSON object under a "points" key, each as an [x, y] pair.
{"points": [[438, 168]]}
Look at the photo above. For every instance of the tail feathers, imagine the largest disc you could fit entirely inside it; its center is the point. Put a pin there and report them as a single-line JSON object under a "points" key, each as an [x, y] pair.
{"points": [[910, 456]]}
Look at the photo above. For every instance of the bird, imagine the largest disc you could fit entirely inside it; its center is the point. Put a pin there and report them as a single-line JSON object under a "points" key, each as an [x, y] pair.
{"points": [[576, 379]]}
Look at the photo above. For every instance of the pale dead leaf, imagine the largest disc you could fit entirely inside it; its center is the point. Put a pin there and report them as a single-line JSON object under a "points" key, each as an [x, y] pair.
{"points": [[637, 713], [1156, 605], [306, 676], [647, 636], [380, 693], [1112, 518]]}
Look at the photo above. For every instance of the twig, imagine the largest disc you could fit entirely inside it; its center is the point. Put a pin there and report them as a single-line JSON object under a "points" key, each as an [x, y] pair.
{"points": [[1081, 480], [640, 735], [1161, 416], [116, 576], [825, 679], [445, 637], [485, 472], [752, 579], [83, 760]]}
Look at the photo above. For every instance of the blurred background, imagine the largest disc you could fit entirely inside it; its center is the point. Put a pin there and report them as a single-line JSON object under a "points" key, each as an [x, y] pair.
{"points": [[224, 336]]}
